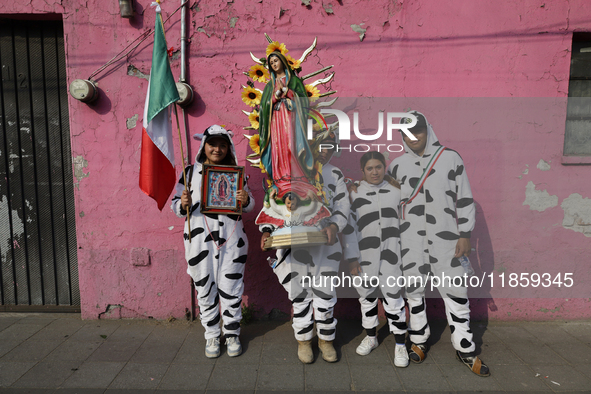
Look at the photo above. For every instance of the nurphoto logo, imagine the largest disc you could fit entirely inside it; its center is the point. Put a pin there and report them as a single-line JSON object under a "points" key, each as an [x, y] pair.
{"points": [[408, 121]]}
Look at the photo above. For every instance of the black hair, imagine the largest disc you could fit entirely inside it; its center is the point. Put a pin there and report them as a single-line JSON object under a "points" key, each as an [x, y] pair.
{"points": [[371, 155], [292, 196]]}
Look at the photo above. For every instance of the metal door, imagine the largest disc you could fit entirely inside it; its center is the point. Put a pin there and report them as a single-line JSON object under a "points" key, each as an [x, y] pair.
{"points": [[39, 268]]}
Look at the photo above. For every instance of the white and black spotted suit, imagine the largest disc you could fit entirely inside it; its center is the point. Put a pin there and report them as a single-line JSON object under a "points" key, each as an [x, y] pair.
{"points": [[316, 303], [217, 272], [442, 212], [374, 215]]}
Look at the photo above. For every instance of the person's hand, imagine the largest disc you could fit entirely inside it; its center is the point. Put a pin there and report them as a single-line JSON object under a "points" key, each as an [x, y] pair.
{"points": [[331, 233], [352, 187], [463, 247], [355, 268], [263, 239], [186, 201], [242, 196]]}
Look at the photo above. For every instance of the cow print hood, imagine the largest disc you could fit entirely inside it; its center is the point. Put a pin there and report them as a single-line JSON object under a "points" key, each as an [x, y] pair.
{"points": [[432, 140], [214, 131]]}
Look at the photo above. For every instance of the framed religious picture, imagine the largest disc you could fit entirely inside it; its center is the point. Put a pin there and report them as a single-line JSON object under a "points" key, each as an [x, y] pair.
{"points": [[219, 187]]}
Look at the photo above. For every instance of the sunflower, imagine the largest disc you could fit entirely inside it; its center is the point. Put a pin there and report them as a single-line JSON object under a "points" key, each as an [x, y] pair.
{"points": [[294, 64], [312, 92], [251, 96], [275, 46], [259, 73], [254, 120], [254, 144]]}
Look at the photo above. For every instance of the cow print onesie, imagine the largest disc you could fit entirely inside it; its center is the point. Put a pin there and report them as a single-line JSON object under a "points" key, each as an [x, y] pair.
{"points": [[374, 215], [217, 252], [316, 302], [442, 212]]}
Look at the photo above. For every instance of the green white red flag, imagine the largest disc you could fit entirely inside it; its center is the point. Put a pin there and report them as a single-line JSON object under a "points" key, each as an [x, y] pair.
{"points": [[157, 170]]}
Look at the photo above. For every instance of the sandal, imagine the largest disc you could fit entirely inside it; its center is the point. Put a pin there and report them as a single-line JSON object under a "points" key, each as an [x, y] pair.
{"points": [[417, 353], [474, 364]]}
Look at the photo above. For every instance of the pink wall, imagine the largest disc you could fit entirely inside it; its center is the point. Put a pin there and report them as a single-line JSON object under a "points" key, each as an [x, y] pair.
{"points": [[420, 48]]}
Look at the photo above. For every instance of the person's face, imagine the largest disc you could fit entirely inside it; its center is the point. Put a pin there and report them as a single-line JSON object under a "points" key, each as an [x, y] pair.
{"points": [[276, 64], [417, 146], [374, 171], [326, 153], [291, 204], [216, 149]]}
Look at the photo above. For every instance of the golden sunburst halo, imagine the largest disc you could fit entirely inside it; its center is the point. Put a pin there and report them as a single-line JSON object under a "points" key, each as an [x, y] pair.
{"points": [[251, 96], [276, 46], [312, 92], [254, 120], [293, 63], [259, 73]]}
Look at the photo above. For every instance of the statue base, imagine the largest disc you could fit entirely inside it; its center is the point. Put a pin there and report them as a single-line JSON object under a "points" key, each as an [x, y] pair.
{"points": [[286, 238]]}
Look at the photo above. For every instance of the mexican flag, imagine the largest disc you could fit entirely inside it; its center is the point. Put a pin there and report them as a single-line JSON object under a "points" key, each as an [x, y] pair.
{"points": [[157, 171]]}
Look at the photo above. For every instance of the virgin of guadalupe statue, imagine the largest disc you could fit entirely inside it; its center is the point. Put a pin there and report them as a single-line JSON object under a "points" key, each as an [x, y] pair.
{"points": [[281, 116], [285, 151]]}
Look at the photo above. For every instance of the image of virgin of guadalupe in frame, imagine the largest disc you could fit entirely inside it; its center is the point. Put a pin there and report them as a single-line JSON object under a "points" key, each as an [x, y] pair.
{"points": [[222, 182]]}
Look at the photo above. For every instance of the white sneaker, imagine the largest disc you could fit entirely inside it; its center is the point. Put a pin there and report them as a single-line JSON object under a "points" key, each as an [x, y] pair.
{"points": [[367, 345], [212, 348], [234, 346], [401, 356]]}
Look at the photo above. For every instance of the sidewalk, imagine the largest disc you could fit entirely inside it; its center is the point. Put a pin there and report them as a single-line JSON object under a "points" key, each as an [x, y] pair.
{"points": [[47, 353]]}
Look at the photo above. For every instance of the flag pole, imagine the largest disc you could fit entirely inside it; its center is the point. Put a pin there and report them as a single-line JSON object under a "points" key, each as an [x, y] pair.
{"points": [[178, 126]]}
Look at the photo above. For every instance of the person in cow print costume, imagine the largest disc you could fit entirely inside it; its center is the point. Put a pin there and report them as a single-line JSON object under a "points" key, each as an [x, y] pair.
{"points": [[315, 304], [217, 251], [437, 217], [374, 215]]}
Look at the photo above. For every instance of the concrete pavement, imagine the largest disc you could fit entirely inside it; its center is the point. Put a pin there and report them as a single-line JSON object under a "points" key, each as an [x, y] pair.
{"points": [[59, 353]]}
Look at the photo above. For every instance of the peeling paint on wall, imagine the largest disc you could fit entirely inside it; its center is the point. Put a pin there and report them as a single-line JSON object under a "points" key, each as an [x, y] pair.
{"points": [[432, 51], [134, 72], [524, 172], [80, 163], [360, 30], [543, 165], [132, 122], [112, 311], [577, 214], [538, 200]]}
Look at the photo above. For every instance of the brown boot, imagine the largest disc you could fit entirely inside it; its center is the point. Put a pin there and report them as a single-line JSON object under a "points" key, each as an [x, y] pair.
{"points": [[305, 353], [329, 354]]}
